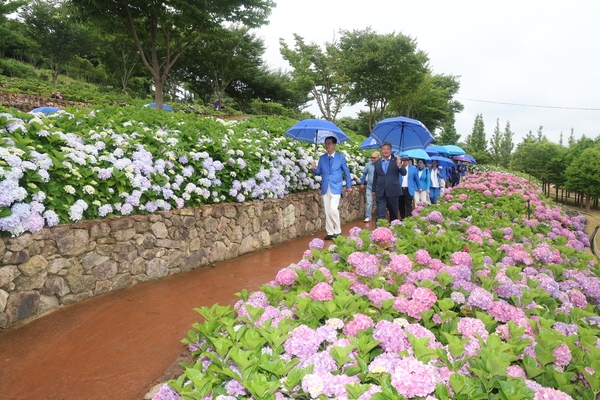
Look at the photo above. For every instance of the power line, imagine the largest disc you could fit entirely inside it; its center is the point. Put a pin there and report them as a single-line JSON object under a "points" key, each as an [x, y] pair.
{"points": [[529, 105]]}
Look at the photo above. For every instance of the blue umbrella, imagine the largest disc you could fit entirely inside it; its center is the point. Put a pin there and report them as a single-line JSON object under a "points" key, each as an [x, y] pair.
{"points": [[316, 131], [406, 133], [431, 151], [443, 161], [416, 153], [454, 150], [371, 143], [45, 110], [440, 149], [166, 107]]}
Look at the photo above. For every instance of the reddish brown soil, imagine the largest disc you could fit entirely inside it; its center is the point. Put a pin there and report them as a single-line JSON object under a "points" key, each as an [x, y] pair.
{"points": [[118, 345]]}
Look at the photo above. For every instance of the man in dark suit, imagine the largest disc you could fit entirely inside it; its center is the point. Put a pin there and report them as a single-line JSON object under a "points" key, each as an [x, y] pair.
{"points": [[386, 182]]}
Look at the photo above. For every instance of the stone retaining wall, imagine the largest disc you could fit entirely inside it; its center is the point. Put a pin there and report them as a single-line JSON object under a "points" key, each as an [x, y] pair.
{"points": [[27, 102], [57, 266]]}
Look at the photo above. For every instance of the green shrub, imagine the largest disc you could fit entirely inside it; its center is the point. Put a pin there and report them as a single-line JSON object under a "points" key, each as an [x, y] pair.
{"points": [[13, 68]]}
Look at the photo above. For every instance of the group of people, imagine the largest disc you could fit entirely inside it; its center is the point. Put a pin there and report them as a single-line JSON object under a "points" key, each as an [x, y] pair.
{"points": [[423, 183], [392, 182]]}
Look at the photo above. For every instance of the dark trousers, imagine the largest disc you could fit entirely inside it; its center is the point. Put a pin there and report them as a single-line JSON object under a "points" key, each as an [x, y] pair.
{"points": [[389, 203], [405, 204]]}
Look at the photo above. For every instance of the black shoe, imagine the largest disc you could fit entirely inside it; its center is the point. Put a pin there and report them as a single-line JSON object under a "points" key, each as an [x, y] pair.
{"points": [[336, 235], [329, 237]]}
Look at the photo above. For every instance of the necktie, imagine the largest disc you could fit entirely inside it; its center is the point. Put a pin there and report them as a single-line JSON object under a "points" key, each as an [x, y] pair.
{"points": [[385, 166], [330, 162]]}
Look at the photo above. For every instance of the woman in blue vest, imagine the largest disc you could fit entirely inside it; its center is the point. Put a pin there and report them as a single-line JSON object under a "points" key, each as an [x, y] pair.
{"points": [[424, 179]]}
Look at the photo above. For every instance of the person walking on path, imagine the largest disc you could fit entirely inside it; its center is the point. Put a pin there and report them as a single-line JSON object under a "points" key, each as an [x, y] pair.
{"points": [[424, 183], [367, 177], [409, 183], [386, 182], [331, 166], [437, 181]]}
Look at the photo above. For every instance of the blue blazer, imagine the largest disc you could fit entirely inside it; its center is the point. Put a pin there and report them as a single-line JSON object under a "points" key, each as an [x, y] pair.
{"points": [[413, 180], [424, 182], [332, 176]]}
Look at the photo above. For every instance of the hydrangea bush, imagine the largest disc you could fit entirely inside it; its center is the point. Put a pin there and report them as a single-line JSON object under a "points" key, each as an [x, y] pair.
{"points": [[66, 167], [484, 296]]}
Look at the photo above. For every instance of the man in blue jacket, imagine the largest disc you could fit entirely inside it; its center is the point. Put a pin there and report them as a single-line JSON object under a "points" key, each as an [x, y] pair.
{"points": [[386, 182], [331, 166], [409, 184]]}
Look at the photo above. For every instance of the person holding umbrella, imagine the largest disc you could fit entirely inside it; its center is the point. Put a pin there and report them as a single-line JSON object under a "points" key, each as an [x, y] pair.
{"points": [[409, 183], [331, 165], [386, 182]]}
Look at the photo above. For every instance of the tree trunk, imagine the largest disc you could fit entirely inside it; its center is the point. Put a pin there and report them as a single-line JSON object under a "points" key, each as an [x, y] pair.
{"points": [[588, 199], [158, 93]]}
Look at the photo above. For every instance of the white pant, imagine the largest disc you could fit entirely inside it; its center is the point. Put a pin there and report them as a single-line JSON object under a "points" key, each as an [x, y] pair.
{"points": [[331, 203], [422, 197]]}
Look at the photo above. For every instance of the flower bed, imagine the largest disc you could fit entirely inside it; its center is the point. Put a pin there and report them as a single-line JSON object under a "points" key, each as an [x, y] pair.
{"points": [[478, 297], [89, 164]]}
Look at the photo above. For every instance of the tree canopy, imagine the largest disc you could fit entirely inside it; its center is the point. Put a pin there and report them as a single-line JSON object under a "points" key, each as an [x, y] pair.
{"points": [[163, 31]]}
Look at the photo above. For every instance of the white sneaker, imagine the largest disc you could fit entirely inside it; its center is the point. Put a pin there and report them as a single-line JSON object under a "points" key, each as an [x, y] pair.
{"points": [[367, 219]]}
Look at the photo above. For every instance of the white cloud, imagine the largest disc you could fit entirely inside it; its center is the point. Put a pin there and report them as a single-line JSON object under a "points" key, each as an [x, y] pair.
{"points": [[534, 52]]}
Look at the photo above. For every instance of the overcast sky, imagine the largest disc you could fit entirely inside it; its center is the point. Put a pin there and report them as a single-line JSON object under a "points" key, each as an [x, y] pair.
{"points": [[541, 53]]}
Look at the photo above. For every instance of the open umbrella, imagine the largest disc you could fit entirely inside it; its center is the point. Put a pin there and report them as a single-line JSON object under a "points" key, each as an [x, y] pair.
{"points": [[443, 161], [464, 159], [166, 107], [454, 150], [431, 151], [473, 161], [315, 131], [440, 149], [371, 143], [406, 133], [416, 153], [45, 110]]}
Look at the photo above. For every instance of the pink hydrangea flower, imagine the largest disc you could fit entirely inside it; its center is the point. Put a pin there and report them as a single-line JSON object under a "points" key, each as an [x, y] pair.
{"points": [[516, 372], [378, 296], [382, 235], [422, 257], [359, 323], [366, 264], [392, 337], [400, 264], [412, 378], [286, 276], [322, 291], [563, 355], [551, 394]]}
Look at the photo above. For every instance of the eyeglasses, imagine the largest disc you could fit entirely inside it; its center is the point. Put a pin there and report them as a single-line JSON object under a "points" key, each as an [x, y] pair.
{"points": [[373, 158]]}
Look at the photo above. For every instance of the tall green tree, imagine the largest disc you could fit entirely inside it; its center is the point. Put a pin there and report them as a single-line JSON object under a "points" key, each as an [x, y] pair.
{"points": [[506, 145], [583, 175], [10, 38], [268, 86], [319, 72], [164, 30], [222, 57], [448, 134], [476, 143], [119, 55], [496, 143], [58, 36], [381, 67], [431, 103]]}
